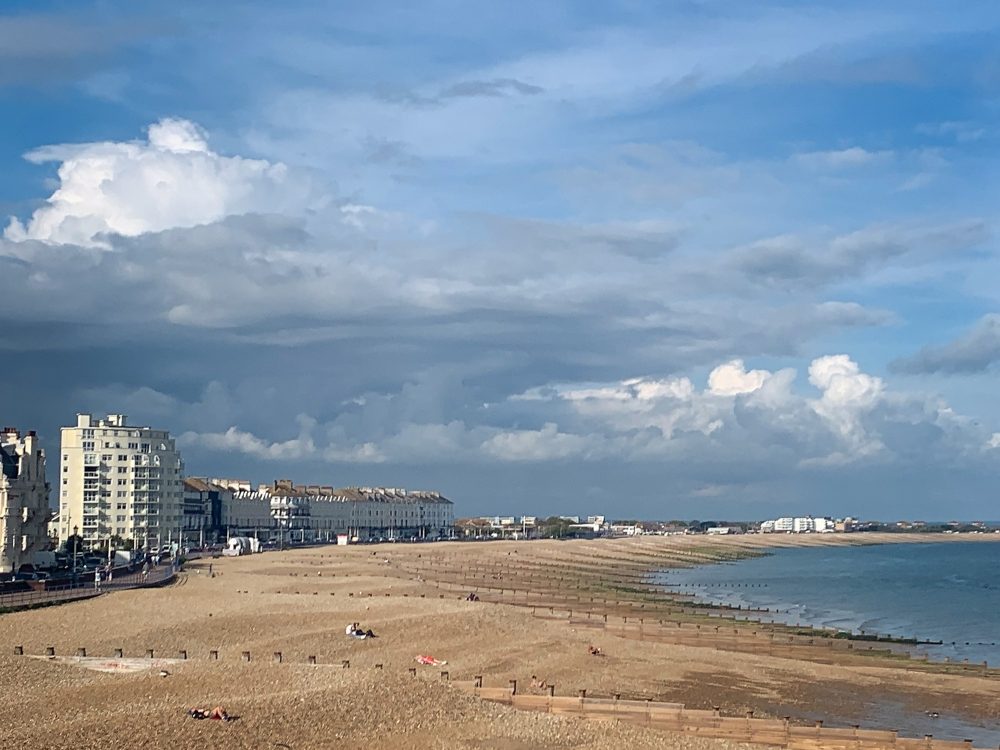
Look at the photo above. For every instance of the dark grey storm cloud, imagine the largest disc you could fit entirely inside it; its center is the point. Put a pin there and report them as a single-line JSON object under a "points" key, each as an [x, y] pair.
{"points": [[791, 260], [39, 49], [974, 351], [490, 354]]}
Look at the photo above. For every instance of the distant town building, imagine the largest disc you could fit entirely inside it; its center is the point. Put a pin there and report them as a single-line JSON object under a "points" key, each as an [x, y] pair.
{"points": [[311, 513], [119, 480], [24, 498], [204, 509], [798, 525]]}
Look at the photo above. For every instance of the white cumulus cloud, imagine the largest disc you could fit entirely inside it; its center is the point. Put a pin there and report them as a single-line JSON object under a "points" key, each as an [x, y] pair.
{"points": [[172, 179], [732, 378]]}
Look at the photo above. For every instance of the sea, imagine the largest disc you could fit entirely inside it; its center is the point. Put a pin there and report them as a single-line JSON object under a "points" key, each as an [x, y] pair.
{"points": [[944, 594]]}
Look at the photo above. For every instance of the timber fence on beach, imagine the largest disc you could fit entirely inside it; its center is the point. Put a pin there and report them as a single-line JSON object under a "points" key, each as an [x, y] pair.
{"points": [[643, 611], [673, 717], [676, 717]]}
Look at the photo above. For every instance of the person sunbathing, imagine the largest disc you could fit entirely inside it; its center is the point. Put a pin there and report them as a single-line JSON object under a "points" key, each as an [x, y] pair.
{"points": [[218, 713]]}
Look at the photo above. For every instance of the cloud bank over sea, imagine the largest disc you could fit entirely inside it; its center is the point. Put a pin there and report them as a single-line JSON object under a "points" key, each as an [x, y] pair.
{"points": [[701, 261]]}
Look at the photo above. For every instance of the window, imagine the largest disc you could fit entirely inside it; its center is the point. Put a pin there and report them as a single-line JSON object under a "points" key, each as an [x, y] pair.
{"points": [[106, 457], [121, 506], [133, 446], [145, 448], [122, 456], [65, 457], [65, 470], [122, 482], [65, 481], [64, 494], [88, 433], [122, 469], [88, 445]]}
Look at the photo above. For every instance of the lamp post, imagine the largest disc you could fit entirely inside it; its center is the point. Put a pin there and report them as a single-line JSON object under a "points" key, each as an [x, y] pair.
{"points": [[76, 546]]}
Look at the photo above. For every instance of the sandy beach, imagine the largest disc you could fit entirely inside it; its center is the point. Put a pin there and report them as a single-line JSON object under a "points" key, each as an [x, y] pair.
{"points": [[298, 602]]}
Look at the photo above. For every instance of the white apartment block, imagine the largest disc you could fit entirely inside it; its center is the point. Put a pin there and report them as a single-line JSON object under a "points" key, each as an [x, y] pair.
{"points": [[24, 499], [118, 479], [797, 525]]}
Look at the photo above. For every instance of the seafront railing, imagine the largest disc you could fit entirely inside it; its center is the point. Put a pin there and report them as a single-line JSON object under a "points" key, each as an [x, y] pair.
{"points": [[60, 594]]}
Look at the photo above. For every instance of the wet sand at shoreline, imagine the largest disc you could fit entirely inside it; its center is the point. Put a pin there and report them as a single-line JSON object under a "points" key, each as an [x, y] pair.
{"points": [[298, 602]]}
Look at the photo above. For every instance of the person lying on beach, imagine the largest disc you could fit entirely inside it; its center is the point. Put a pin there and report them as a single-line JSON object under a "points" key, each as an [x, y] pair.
{"points": [[595, 651], [352, 629], [218, 713]]}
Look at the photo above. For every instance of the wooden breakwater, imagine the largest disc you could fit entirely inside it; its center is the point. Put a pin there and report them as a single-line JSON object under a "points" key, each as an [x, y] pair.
{"points": [[675, 717], [623, 602]]}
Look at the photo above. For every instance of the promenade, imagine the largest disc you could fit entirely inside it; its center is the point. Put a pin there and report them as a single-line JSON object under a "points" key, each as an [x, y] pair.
{"points": [[85, 589]]}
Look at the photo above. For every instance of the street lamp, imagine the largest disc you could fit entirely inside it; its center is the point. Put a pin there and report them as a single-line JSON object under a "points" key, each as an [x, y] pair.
{"points": [[76, 547]]}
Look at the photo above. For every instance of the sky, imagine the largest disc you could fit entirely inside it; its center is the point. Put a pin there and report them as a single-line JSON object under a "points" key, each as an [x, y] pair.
{"points": [[697, 259]]}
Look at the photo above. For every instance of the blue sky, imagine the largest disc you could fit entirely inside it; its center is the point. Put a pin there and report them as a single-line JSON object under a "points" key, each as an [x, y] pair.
{"points": [[673, 259]]}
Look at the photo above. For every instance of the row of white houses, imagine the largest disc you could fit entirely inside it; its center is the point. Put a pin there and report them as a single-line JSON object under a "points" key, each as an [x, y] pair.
{"points": [[219, 508]]}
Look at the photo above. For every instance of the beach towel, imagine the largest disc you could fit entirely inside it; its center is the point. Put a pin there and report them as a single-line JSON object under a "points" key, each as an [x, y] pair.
{"points": [[430, 661]]}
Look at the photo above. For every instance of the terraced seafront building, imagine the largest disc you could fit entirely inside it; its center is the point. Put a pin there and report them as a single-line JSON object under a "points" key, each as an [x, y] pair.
{"points": [[313, 513], [24, 498]]}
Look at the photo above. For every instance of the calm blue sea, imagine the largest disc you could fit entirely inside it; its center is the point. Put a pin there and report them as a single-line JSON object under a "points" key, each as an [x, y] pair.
{"points": [[946, 591]]}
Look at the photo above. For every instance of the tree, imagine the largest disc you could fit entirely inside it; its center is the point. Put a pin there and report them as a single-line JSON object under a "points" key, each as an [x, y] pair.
{"points": [[74, 544]]}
